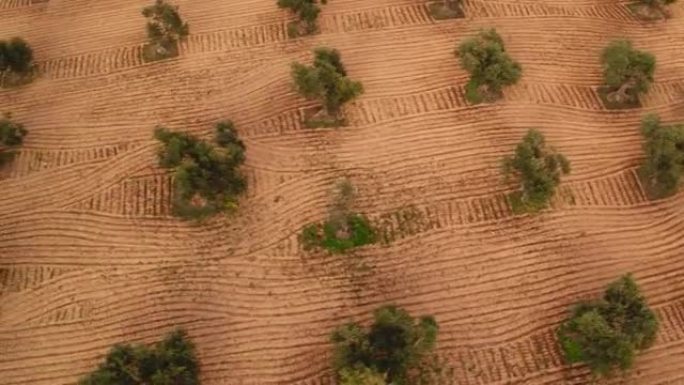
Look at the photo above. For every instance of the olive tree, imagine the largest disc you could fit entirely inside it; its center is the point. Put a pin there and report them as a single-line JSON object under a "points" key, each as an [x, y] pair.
{"points": [[165, 28], [491, 68], [539, 169], [326, 81], [394, 347], [664, 150], [307, 11], [207, 176], [628, 73], [170, 361], [606, 334], [16, 61], [11, 136]]}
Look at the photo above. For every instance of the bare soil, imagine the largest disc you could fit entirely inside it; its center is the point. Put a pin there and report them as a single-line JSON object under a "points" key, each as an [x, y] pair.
{"points": [[90, 255]]}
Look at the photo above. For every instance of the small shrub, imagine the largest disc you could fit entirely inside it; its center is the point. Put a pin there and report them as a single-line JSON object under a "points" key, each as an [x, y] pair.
{"points": [[606, 334], [326, 81], [491, 68], [11, 136], [307, 11], [16, 62], [627, 73], [396, 346], [207, 178], [651, 9], [539, 169], [165, 28], [169, 362], [664, 149], [446, 9], [361, 376]]}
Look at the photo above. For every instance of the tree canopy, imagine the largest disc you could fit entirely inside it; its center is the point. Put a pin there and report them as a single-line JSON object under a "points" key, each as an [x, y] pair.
{"points": [[539, 169], [485, 58], [207, 177], [307, 11], [16, 61], [606, 334], [326, 81], [165, 28], [652, 9], [11, 136], [627, 71], [664, 150], [171, 361], [395, 344]]}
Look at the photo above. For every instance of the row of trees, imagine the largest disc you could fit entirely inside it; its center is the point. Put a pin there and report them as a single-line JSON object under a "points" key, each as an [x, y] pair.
{"points": [[207, 175], [627, 71]]}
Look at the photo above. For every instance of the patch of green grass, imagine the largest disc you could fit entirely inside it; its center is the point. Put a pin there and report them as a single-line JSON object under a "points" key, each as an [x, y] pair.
{"points": [[354, 230]]}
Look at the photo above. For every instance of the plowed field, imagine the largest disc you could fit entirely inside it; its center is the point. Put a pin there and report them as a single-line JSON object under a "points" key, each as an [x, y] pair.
{"points": [[90, 255]]}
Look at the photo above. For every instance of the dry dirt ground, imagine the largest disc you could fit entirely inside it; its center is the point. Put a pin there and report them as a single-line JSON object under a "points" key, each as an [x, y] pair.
{"points": [[89, 255]]}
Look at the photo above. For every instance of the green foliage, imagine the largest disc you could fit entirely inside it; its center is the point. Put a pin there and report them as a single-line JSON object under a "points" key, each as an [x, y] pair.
{"points": [[16, 61], [627, 72], [606, 334], [165, 28], [539, 169], [307, 11], [446, 9], [485, 58], [396, 345], [343, 230], [361, 376], [11, 136], [326, 81], [664, 150], [207, 176], [169, 362]]}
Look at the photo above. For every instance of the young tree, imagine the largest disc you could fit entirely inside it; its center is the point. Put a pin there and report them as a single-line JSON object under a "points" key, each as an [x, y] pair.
{"points": [[395, 345], [628, 72], [485, 58], [664, 149], [11, 136], [326, 81], [446, 9], [207, 179], [307, 11], [170, 362], [164, 29], [344, 229], [606, 334], [539, 169], [16, 61]]}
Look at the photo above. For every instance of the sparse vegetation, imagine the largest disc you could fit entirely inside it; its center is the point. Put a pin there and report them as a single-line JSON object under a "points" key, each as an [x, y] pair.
{"points": [[207, 177], [664, 148], [16, 62], [396, 349], [165, 28], [652, 9], [326, 81], [344, 229], [491, 68], [446, 9], [11, 136], [607, 334], [307, 11], [169, 362], [539, 169], [627, 72]]}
